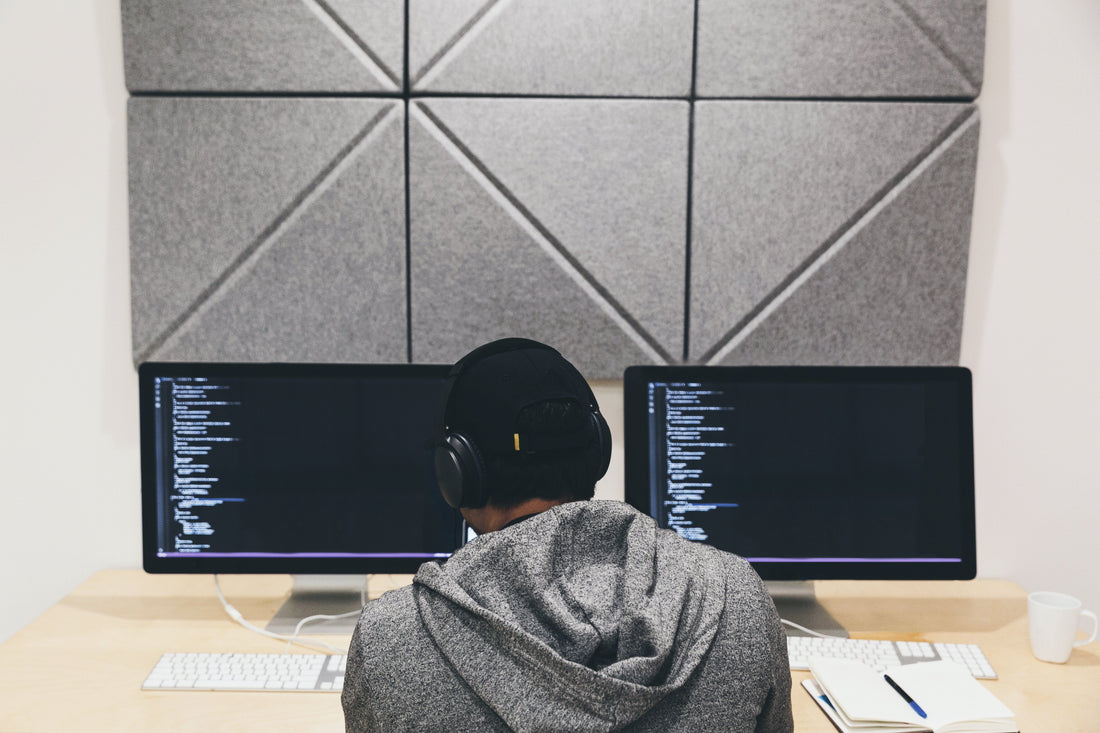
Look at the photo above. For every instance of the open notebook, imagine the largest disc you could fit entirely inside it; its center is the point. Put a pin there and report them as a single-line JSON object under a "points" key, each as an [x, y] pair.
{"points": [[856, 698]]}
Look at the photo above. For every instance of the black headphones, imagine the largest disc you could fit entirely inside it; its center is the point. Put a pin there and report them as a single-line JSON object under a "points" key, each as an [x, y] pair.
{"points": [[459, 467]]}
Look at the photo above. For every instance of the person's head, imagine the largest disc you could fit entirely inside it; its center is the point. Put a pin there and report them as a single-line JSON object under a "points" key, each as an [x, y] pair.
{"points": [[518, 422]]}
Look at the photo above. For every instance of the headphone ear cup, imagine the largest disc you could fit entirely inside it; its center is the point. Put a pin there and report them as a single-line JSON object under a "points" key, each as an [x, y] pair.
{"points": [[603, 433], [460, 472]]}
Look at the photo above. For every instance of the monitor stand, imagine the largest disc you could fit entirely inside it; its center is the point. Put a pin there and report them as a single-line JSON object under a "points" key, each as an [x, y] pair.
{"points": [[795, 600], [311, 595], [331, 595]]}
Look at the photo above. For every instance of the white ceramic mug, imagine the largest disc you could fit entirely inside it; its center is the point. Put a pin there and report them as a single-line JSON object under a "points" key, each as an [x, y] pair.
{"points": [[1052, 620]]}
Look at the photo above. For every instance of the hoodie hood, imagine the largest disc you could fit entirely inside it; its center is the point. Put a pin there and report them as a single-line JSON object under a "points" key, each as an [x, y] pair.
{"points": [[579, 618]]}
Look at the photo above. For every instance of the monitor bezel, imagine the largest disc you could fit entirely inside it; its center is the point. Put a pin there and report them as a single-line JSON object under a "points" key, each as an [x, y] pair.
{"points": [[637, 465], [152, 563]]}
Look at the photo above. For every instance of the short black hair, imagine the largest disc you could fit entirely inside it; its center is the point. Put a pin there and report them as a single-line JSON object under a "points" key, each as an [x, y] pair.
{"points": [[566, 474]]}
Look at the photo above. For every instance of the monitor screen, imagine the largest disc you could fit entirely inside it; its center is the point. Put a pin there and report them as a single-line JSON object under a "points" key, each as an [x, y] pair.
{"points": [[291, 468], [809, 472]]}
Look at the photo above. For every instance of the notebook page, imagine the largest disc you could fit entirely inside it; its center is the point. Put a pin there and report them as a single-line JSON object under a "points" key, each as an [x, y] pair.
{"points": [[861, 693], [844, 724], [948, 693]]}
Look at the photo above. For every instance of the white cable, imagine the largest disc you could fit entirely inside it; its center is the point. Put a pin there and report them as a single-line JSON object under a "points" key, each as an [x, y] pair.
{"points": [[811, 632], [236, 616], [293, 638], [326, 617]]}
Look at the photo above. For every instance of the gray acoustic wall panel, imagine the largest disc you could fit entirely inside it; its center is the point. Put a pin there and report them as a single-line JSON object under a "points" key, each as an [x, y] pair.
{"points": [[891, 290], [269, 46], [776, 183], [840, 48], [564, 47], [603, 180], [267, 229], [634, 181], [555, 218]]}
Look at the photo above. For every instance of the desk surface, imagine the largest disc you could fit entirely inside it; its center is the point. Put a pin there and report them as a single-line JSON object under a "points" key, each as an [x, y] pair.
{"points": [[81, 664]]}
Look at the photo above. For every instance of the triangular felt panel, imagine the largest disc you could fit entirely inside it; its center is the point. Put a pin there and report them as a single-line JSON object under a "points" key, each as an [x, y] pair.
{"points": [[208, 178], [891, 294], [240, 46], [478, 273], [856, 48], [330, 285], [958, 28], [380, 25], [774, 182], [434, 25], [574, 47], [606, 180]]}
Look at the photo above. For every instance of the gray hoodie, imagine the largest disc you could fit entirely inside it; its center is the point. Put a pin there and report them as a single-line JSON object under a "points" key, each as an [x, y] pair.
{"points": [[586, 617]]}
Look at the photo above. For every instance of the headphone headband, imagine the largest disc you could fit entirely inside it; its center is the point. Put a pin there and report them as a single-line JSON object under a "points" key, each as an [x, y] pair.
{"points": [[458, 457], [484, 351]]}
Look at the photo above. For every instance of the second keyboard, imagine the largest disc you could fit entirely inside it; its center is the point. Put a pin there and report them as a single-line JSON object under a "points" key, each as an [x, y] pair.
{"points": [[880, 654]]}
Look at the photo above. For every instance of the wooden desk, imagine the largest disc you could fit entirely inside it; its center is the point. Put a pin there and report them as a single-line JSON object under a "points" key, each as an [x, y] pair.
{"points": [[81, 664], [1047, 698]]}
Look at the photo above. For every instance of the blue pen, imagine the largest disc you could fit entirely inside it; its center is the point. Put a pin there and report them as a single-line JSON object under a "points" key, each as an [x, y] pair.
{"points": [[911, 701]]}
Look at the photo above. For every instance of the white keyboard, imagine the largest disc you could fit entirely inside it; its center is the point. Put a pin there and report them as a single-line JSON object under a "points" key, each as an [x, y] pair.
{"points": [[881, 655], [264, 672]]}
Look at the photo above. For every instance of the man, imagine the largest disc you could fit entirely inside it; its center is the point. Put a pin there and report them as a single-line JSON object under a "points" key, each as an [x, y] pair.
{"points": [[564, 614]]}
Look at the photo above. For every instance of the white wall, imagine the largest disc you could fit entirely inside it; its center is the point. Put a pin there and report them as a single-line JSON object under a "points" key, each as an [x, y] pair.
{"points": [[1029, 335], [1033, 300], [68, 416]]}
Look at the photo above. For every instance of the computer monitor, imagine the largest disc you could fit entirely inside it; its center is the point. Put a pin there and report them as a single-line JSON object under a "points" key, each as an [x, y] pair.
{"points": [[291, 468], [809, 472]]}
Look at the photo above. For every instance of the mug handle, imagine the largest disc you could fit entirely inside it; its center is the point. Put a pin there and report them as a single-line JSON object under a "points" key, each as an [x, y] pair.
{"points": [[1091, 638]]}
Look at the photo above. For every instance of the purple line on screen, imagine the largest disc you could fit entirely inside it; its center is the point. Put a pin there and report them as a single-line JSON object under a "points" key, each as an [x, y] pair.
{"points": [[425, 555], [854, 559]]}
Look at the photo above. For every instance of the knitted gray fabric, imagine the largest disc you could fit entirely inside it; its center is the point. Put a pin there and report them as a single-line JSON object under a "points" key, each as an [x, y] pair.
{"points": [[586, 617]]}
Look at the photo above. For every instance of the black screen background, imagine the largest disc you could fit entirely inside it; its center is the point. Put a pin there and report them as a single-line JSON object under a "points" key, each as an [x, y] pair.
{"points": [[322, 464], [824, 470]]}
